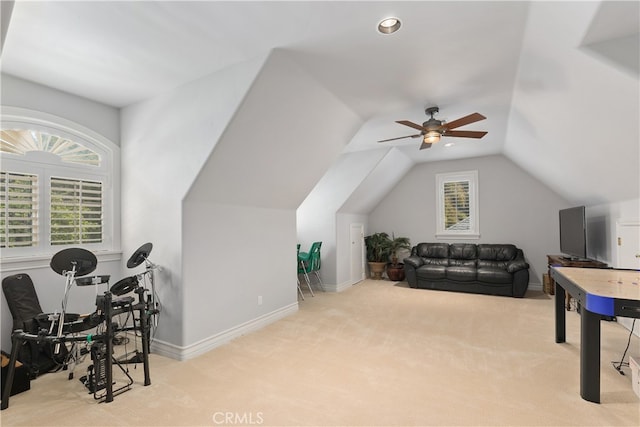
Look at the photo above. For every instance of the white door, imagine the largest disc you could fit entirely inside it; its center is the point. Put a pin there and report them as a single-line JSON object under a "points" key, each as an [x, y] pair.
{"points": [[628, 256], [356, 237], [628, 234]]}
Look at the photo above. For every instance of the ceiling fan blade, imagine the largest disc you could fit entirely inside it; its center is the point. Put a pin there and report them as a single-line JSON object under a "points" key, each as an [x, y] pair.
{"points": [[401, 137], [471, 118], [425, 145], [466, 133], [411, 124]]}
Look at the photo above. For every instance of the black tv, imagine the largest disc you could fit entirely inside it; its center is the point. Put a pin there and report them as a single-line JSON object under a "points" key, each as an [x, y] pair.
{"points": [[573, 232]]}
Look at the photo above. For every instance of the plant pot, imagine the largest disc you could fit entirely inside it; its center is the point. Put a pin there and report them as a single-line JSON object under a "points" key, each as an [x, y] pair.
{"points": [[395, 272], [376, 269]]}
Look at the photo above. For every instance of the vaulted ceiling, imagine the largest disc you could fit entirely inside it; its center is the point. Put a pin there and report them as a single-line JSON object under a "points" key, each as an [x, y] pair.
{"points": [[557, 81]]}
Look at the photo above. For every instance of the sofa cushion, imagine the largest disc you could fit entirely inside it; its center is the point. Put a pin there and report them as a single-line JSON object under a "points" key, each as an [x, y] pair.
{"points": [[496, 256], [432, 250], [497, 252], [461, 274], [463, 251], [471, 263], [496, 265], [432, 272], [463, 254], [494, 275]]}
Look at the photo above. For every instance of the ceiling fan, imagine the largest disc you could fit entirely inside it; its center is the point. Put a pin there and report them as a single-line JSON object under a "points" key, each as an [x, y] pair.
{"points": [[432, 130]]}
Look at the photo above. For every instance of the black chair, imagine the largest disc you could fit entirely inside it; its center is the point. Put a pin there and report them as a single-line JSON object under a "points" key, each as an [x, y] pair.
{"points": [[25, 307]]}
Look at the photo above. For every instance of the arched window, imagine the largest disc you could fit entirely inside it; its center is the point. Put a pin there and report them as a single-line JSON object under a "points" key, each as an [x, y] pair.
{"points": [[57, 183]]}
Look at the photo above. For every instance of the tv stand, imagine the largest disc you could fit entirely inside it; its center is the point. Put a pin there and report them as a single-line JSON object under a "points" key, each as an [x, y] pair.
{"points": [[566, 261], [573, 259]]}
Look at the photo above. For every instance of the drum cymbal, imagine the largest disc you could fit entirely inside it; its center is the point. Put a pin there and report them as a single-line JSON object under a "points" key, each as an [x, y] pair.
{"points": [[124, 286], [139, 255], [84, 261]]}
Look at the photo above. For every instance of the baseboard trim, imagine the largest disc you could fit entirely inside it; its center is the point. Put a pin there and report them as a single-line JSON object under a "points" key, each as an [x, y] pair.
{"points": [[190, 351], [535, 286], [332, 287], [340, 287]]}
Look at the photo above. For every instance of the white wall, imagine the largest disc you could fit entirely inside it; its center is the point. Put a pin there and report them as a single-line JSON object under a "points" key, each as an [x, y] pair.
{"points": [[346, 193], [316, 216], [514, 208], [229, 234], [601, 228], [239, 215], [100, 118], [165, 143], [238, 266]]}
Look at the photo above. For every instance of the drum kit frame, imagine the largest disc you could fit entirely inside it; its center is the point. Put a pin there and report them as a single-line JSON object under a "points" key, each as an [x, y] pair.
{"points": [[58, 329]]}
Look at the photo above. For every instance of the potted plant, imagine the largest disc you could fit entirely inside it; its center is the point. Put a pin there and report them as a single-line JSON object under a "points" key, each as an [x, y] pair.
{"points": [[378, 251], [395, 270]]}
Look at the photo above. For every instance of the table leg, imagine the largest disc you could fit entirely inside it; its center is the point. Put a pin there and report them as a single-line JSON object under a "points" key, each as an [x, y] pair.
{"points": [[561, 315], [590, 355]]}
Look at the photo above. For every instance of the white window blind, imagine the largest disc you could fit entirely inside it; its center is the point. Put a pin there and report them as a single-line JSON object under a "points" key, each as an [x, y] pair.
{"points": [[457, 203], [19, 210], [76, 211], [21, 141]]}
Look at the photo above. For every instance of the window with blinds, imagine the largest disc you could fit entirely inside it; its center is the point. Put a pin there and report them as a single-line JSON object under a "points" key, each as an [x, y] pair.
{"points": [[457, 205], [19, 210], [22, 141], [76, 211], [59, 184]]}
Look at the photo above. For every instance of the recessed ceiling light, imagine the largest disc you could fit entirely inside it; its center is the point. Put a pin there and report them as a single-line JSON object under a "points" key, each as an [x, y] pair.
{"points": [[449, 144], [389, 25]]}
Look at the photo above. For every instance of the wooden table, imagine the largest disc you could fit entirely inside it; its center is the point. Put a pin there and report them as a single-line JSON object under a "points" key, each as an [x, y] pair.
{"points": [[600, 292]]}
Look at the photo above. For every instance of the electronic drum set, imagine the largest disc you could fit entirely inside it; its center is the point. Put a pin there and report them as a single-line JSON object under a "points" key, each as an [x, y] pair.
{"points": [[69, 335]]}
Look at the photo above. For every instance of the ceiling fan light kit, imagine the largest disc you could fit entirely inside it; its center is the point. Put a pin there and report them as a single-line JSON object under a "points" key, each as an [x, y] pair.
{"points": [[431, 137], [433, 129]]}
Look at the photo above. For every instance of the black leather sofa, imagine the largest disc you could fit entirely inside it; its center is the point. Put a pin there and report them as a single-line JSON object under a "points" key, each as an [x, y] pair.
{"points": [[485, 268]]}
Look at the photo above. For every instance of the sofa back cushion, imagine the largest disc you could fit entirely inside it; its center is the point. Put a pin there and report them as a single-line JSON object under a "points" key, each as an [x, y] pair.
{"points": [[495, 255], [463, 254], [433, 253]]}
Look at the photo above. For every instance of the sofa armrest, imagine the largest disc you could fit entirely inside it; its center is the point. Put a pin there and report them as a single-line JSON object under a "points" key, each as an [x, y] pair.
{"points": [[518, 263], [413, 261]]}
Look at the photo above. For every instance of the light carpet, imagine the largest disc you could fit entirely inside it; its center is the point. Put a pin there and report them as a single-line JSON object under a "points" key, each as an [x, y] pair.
{"points": [[377, 354]]}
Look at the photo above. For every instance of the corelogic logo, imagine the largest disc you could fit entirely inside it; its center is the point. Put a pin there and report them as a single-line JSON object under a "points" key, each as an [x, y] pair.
{"points": [[237, 418]]}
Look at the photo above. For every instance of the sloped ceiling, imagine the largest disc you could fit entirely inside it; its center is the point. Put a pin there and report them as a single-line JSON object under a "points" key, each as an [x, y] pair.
{"points": [[613, 34], [556, 80], [574, 120], [251, 165]]}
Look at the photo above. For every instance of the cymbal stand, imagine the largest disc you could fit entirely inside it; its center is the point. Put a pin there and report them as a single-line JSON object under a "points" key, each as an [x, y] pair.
{"points": [[153, 305], [69, 277]]}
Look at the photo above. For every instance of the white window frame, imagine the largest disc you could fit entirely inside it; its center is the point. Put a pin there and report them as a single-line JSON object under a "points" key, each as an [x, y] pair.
{"points": [[474, 219], [46, 165]]}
